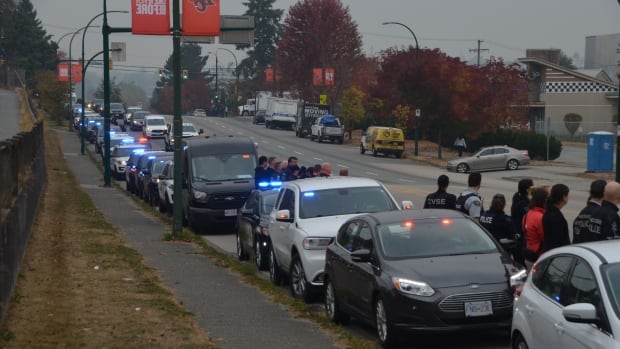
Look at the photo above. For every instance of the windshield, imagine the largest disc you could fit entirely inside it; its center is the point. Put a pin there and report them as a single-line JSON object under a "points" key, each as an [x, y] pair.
{"points": [[343, 201], [139, 115], [189, 128], [611, 278], [158, 166], [223, 167], [125, 152], [269, 201], [433, 237], [156, 122], [116, 106]]}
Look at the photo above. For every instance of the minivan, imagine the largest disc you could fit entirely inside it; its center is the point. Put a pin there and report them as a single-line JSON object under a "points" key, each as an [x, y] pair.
{"points": [[218, 176], [383, 140], [154, 126]]}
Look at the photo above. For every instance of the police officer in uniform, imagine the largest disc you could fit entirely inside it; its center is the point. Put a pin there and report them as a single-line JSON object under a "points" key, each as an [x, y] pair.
{"points": [[470, 201], [495, 220], [587, 225], [610, 226], [440, 198]]}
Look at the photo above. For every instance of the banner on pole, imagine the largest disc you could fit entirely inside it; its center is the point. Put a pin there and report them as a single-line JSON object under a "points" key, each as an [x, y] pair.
{"points": [[329, 77], [317, 78], [63, 72], [200, 18], [150, 17]]}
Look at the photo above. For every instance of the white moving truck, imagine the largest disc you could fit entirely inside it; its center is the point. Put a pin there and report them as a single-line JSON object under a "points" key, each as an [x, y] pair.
{"points": [[281, 112]]}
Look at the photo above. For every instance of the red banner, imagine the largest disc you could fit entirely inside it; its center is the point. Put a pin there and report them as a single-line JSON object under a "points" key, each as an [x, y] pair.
{"points": [[329, 76], [63, 72], [150, 17], [317, 79], [269, 75], [201, 17]]}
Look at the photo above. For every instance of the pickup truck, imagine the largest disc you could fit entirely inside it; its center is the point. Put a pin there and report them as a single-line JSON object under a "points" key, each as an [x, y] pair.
{"points": [[327, 127]]}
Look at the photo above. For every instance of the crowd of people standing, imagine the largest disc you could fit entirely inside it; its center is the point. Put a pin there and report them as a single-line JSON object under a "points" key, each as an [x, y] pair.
{"points": [[270, 169], [536, 223]]}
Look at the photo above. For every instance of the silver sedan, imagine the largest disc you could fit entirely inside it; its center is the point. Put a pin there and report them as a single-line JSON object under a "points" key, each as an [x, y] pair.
{"points": [[499, 157]]}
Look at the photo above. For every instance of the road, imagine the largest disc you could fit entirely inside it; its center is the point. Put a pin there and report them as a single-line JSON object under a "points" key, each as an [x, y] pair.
{"points": [[406, 180], [9, 124]]}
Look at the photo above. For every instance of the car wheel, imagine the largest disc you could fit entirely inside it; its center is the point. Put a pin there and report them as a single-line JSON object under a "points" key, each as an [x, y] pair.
{"points": [[245, 113], [311, 138], [462, 168], [272, 125], [383, 325], [319, 139], [274, 272], [362, 150], [261, 260], [300, 288], [332, 307], [513, 164], [519, 342], [241, 254]]}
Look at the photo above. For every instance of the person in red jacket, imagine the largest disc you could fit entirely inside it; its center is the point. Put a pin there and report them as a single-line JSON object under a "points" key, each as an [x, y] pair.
{"points": [[532, 225]]}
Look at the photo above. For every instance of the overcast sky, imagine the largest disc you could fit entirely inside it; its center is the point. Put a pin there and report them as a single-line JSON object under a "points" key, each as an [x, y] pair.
{"points": [[507, 28]]}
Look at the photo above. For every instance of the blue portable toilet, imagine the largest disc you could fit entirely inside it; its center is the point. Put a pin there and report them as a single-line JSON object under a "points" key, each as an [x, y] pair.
{"points": [[600, 151]]}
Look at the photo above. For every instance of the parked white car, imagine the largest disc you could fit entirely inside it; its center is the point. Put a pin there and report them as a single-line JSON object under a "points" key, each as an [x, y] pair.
{"points": [[571, 299], [154, 126], [165, 187], [307, 216]]}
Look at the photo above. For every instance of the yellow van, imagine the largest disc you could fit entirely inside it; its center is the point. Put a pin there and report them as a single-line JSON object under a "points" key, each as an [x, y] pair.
{"points": [[383, 140]]}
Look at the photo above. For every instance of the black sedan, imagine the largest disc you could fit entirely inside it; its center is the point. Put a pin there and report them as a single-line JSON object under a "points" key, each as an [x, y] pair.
{"points": [[425, 270], [252, 222]]}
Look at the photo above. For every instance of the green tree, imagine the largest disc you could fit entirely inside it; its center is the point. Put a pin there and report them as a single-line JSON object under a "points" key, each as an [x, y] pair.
{"points": [[53, 94], [266, 34], [566, 61], [352, 108], [198, 80], [26, 44], [116, 94], [133, 94]]}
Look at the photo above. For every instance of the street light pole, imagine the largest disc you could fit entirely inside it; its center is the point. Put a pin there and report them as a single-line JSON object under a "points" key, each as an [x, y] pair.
{"points": [[71, 78], [417, 57], [236, 66], [84, 76], [70, 109]]}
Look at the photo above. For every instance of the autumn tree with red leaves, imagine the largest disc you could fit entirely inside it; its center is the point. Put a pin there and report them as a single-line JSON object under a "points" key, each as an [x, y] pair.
{"points": [[313, 32], [450, 92]]}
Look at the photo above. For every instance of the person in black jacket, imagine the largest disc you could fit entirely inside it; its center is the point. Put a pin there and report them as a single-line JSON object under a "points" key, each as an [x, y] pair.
{"points": [[587, 226], [520, 206], [495, 220], [555, 226], [609, 211], [441, 198]]}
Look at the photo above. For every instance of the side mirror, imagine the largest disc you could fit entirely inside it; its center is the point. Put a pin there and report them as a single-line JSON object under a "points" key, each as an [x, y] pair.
{"points": [[508, 243], [360, 256], [407, 205], [284, 216], [581, 313]]}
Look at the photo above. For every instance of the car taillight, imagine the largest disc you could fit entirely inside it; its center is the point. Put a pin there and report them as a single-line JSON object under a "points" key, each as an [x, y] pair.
{"points": [[526, 153]]}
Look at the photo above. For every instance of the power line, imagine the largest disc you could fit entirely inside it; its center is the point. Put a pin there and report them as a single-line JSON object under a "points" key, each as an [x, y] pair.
{"points": [[478, 50]]}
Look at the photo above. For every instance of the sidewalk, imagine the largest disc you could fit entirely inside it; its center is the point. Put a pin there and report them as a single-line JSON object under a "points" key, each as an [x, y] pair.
{"points": [[233, 314]]}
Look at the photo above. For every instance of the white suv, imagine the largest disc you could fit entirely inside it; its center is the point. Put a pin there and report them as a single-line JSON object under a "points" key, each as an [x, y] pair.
{"points": [[571, 299], [307, 216], [154, 126]]}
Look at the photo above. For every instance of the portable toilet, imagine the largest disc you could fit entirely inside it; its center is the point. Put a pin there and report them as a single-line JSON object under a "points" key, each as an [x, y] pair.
{"points": [[600, 151]]}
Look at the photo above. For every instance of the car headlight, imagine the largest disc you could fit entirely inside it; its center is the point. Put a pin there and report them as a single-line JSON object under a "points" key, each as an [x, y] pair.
{"points": [[416, 288], [518, 278], [316, 243], [200, 195]]}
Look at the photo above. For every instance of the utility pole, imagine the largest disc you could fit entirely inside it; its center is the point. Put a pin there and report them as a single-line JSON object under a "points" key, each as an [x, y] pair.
{"points": [[478, 50]]}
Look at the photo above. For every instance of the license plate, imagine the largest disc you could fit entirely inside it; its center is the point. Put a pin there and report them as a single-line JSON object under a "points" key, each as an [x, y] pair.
{"points": [[478, 308], [231, 212], [394, 143]]}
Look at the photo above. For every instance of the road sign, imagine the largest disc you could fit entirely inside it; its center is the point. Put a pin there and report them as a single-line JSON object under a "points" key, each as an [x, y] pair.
{"points": [[323, 99]]}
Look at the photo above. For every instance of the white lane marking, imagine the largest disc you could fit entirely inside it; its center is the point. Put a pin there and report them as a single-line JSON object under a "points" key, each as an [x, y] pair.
{"points": [[343, 166], [406, 180], [298, 153], [281, 147], [318, 159], [372, 173], [266, 142]]}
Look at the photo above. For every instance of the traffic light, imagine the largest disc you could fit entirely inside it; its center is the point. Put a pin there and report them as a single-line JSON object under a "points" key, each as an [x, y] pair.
{"points": [[161, 72], [185, 74]]}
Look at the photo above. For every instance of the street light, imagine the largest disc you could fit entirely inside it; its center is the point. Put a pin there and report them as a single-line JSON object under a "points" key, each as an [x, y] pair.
{"points": [[70, 109], [417, 56], [84, 75], [322, 52], [71, 77]]}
